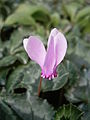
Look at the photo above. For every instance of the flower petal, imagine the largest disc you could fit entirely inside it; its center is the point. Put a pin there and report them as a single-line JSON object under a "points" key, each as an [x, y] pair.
{"points": [[60, 47], [25, 42], [35, 49], [49, 59], [53, 33]]}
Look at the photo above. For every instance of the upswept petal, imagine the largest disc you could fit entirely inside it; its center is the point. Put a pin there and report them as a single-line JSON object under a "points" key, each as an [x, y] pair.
{"points": [[49, 59], [35, 49], [60, 47], [53, 33]]}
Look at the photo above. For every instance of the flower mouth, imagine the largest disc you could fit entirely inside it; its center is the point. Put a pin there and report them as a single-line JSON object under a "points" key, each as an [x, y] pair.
{"points": [[50, 77]]}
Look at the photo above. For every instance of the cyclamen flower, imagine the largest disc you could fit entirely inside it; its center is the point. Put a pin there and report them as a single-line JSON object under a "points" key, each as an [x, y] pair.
{"points": [[50, 58]]}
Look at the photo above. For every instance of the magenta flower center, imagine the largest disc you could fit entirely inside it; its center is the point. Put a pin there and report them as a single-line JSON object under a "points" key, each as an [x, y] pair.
{"points": [[49, 76]]}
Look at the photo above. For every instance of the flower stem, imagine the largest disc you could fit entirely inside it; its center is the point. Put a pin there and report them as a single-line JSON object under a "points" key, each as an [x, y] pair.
{"points": [[39, 87]]}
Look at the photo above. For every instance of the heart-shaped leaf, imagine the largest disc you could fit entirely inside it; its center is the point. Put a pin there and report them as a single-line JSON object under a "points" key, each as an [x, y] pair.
{"points": [[30, 107], [24, 75]]}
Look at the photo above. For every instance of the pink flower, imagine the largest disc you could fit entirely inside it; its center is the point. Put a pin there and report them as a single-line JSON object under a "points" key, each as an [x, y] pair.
{"points": [[50, 58]]}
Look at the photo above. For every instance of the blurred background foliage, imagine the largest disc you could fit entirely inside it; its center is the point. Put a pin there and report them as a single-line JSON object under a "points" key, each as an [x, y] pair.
{"points": [[67, 97]]}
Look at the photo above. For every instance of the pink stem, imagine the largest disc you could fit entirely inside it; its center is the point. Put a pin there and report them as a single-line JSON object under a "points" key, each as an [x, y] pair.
{"points": [[39, 87]]}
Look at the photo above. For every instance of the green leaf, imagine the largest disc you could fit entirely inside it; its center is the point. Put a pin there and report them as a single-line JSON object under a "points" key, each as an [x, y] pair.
{"points": [[23, 75], [6, 113], [11, 59], [78, 61], [41, 15], [86, 116], [83, 50], [80, 91], [73, 76], [19, 18], [7, 61], [71, 9], [77, 94], [22, 57], [83, 18], [86, 109], [1, 22], [17, 37], [3, 75], [68, 112], [78, 45], [83, 13], [31, 14], [30, 107], [55, 19]]}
